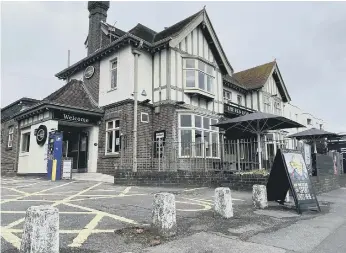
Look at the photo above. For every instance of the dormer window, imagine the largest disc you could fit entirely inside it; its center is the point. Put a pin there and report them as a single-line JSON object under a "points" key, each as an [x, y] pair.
{"points": [[199, 75]]}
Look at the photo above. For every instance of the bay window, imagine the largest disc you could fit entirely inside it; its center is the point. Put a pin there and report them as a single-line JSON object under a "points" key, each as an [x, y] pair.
{"points": [[198, 138], [112, 137], [199, 74]]}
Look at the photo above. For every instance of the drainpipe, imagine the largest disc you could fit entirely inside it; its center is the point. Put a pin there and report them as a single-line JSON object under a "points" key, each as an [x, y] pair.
{"points": [[136, 54]]}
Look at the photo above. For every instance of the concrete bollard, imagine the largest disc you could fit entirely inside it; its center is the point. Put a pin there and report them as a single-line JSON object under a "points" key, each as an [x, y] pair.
{"points": [[164, 214], [41, 230], [223, 202], [259, 196]]}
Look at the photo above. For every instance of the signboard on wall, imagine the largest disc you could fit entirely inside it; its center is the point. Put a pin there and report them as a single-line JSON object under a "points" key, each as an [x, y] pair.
{"points": [[75, 117], [289, 171]]}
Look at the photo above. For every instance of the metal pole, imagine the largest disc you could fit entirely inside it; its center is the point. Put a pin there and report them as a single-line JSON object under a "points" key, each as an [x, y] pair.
{"points": [[259, 150], [135, 95]]}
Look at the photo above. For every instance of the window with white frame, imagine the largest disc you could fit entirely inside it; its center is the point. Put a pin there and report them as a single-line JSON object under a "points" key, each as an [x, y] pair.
{"points": [[239, 99], [227, 95], [114, 73], [113, 136], [144, 117], [198, 138], [199, 74], [25, 142], [10, 137]]}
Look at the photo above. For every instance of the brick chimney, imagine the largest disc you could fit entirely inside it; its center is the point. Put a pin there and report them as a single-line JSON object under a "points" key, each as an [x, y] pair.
{"points": [[97, 12]]}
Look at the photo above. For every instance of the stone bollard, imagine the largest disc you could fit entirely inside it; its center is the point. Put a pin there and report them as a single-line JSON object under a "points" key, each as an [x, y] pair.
{"points": [[259, 196], [164, 214], [41, 230], [223, 202]]}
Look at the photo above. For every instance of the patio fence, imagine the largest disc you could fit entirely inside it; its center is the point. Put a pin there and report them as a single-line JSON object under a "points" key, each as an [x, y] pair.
{"points": [[228, 155]]}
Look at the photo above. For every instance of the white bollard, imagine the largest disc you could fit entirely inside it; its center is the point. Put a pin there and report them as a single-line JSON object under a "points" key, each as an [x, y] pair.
{"points": [[259, 196], [41, 230], [164, 214], [223, 202]]}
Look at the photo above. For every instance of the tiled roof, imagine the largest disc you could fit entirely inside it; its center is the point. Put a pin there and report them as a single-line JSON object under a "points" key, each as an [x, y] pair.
{"points": [[73, 94], [10, 110], [234, 81], [143, 32], [255, 77], [175, 28]]}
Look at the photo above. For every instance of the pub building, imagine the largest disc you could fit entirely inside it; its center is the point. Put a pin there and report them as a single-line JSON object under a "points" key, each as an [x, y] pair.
{"points": [[140, 92]]}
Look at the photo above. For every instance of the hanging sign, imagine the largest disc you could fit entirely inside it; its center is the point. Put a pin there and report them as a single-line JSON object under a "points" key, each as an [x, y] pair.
{"points": [[289, 172]]}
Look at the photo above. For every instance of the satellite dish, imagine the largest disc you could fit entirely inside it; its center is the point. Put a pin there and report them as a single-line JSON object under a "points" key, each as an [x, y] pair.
{"points": [[144, 93]]}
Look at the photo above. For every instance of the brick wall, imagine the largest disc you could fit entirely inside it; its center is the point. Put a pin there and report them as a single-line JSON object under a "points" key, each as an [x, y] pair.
{"points": [[188, 178], [9, 156], [325, 183], [211, 179], [124, 112]]}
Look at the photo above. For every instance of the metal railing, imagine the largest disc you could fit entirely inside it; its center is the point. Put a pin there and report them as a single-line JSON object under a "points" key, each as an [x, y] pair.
{"points": [[226, 155]]}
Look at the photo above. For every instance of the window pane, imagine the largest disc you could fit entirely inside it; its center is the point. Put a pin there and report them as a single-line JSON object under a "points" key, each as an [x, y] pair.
{"points": [[213, 121], [209, 84], [201, 65], [239, 99], [109, 141], [198, 143], [109, 124], [114, 64], [201, 81], [210, 70], [206, 123], [186, 139], [190, 78], [117, 141], [185, 120], [117, 123], [215, 147], [190, 63], [207, 145], [114, 78], [198, 121]]}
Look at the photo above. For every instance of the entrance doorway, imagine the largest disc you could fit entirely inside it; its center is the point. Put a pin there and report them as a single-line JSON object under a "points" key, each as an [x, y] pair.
{"points": [[75, 146]]}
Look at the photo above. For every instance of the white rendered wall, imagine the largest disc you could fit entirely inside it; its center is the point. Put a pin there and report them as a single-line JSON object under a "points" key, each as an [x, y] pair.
{"points": [[34, 161]]}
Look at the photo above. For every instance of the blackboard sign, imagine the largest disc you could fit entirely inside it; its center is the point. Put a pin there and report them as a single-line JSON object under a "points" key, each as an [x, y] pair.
{"points": [[289, 172]]}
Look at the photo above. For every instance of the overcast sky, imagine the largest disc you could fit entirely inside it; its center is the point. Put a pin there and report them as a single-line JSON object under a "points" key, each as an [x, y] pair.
{"points": [[307, 39]]}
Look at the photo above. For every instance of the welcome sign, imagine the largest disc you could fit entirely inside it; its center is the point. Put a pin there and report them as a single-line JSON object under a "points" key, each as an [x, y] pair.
{"points": [[73, 117]]}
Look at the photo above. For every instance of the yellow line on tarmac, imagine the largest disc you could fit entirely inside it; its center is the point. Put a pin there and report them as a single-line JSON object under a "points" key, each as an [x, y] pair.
{"points": [[26, 185], [11, 238], [194, 189], [24, 212], [13, 189], [36, 193], [127, 189], [84, 234], [106, 197], [206, 207], [63, 231], [116, 217]]}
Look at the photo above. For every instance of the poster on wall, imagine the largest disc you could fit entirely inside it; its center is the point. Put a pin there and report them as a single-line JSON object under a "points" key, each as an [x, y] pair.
{"points": [[289, 172]]}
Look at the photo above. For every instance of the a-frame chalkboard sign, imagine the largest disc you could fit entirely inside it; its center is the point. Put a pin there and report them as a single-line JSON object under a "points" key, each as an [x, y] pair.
{"points": [[289, 172]]}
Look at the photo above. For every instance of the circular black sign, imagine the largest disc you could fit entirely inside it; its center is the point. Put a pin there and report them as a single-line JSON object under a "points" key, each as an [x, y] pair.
{"points": [[89, 71], [41, 135]]}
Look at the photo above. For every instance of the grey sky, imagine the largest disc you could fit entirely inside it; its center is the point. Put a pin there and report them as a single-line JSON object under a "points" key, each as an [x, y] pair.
{"points": [[307, 39]]}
